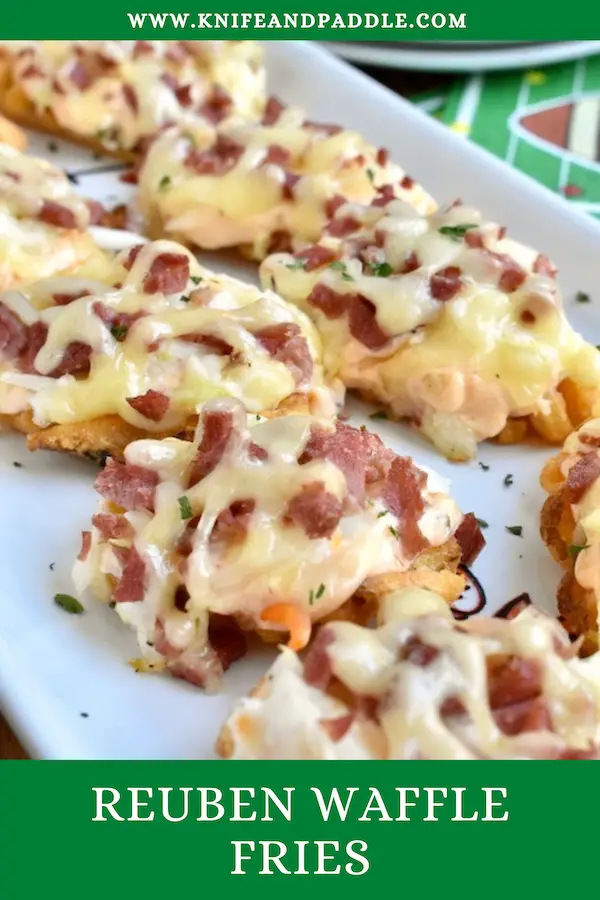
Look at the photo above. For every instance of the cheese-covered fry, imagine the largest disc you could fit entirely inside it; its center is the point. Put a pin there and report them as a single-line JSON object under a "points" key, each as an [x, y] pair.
{"points": [[423, 686], [144, 346], [266, 525], [570, 528], [117, 95], [264, 187], [43, 221], [443, 320]]}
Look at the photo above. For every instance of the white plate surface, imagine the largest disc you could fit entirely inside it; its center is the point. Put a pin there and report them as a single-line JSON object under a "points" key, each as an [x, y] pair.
{"points": [[53, 666], [451, 56]]}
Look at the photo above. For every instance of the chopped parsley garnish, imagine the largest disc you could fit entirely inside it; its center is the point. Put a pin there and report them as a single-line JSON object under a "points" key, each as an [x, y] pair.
{"points": [[340, 267], [582, 297], [393, 531], [185, 508], [164, 182], [517, 530], [196, 278], [316, 595], [297, 264], [508, 481], [52, 146], [72, 178], [371, 175], [17, 465], [51, 567], [185, 298], [68, 603], [456, 232], [381, 270], [575, 550], [380, 414], [483, 467], [383, 513], [482, 523], [119, 332]]}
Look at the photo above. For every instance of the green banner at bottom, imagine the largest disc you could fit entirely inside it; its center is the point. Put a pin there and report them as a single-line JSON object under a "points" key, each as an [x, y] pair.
{"points": [[137, 829]]}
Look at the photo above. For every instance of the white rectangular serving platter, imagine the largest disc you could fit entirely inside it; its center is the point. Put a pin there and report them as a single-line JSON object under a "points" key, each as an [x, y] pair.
{"points": [[55, 667]]}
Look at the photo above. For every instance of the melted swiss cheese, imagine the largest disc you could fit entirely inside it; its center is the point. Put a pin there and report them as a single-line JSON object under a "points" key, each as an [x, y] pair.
{"points": [[289, 719], [155, 73], [149, 354], [460, 366], [29, 248], [248, 204], [276, 562]]}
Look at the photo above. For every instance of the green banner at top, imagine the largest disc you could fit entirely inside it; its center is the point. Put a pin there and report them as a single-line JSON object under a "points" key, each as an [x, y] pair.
{"points": [[381, 20]]}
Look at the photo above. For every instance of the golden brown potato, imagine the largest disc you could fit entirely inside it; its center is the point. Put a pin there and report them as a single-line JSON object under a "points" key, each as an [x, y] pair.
{"points": [[109, 435], [578, 607], [578, 612], [11, 134]]}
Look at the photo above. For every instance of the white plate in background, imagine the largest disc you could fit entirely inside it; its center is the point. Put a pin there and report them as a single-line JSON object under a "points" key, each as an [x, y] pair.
{"points": [[54, 667], [462, 56]]}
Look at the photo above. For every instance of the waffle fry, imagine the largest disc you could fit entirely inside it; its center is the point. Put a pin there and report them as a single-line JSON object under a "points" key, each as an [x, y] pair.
{"points": [[271, 527], [445, 321], [421, 686], [115, 96], [93, 364], [569, 528]]}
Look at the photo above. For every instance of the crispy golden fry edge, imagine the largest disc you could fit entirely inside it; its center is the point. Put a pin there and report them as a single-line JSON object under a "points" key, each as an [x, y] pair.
{"points": [[110, 435], [570, 405], [577, 607]]}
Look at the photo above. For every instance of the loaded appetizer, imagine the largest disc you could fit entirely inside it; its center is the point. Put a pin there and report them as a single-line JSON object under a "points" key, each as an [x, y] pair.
{"points": [[263, 187], [571, 530], [115, 96], [444, 321], [88, 365], [263, 525], [423, 686], [43, 221]]}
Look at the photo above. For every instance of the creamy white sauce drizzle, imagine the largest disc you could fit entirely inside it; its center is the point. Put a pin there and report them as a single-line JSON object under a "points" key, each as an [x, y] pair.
{"points": [[410, 722], [460, 366]]}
